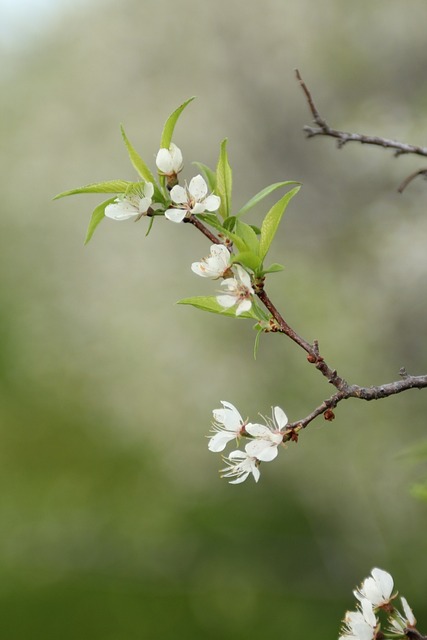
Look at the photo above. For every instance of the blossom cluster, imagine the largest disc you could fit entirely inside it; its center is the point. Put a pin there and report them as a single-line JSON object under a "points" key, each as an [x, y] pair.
{"points": [[237, 287], [375, 597], [191, 199], [264, 441]]}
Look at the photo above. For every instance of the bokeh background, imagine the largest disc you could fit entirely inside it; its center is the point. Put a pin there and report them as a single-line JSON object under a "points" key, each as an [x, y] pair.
{"points": [[114, 523]]}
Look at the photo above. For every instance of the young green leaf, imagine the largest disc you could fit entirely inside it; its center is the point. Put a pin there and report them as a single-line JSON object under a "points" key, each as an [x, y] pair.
{"points": [[247, 259], [259, 330], [272, 219], [224, 181], [248, 236], [97, 215], [136, 160], [111, 186], [274, 268], [170, 123], [210, 175], [209, 303], [263, 194]]}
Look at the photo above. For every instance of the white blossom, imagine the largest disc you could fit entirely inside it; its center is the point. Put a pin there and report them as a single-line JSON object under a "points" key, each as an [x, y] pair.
{"points": [[215, 265], [398, 622], [238, 290], [192, 199], [132, 205], [228, 425], [267, 437], [240, 466], [377, 588], [361, 624], [169, 161]]}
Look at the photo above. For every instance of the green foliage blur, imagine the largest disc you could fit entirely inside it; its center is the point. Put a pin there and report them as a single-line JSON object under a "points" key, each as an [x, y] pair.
{"points": [[114, 523]]}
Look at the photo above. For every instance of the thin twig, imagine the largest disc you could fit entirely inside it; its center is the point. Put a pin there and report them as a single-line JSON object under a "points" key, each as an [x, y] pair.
{"points": [[323, 129], [342, 137]]}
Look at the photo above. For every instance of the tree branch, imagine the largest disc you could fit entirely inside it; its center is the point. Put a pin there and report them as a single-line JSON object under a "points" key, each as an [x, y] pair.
{"points": [[342, 137]]}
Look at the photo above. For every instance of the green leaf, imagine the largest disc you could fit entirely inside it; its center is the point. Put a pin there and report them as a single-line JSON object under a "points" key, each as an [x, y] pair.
{"points": [[229, 223], [247, 259], [272, 220], [210, 175], [258, 335], [150, 225], [224, 181], [248, 236], [111, 186], [170, 123], [274, 268], [136, 160], [97, 215], [263, 194], [209, 303]]}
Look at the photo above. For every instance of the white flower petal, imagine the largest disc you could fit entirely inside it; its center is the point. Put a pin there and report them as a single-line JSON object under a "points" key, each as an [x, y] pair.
{"points": [[384, 580], [410, 618], [226, 301], [121, 210], [175, 215], [164, 161], [212, 203], [263, 450], [149, 190], [244, 277], [198, 188], [258, 430], [219, 441], [245, 305], [198, 207], [280, 417], [179, 195]]}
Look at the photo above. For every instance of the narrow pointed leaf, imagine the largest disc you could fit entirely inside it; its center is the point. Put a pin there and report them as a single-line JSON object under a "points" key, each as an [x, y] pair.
{"points": [[210, 175], [111, 186], [209, 303], [136, 160], [97, 215], [224, 181], [256, 345], [170, 123], [272, 220], [274, 268], [263, 194], [248, 236]]}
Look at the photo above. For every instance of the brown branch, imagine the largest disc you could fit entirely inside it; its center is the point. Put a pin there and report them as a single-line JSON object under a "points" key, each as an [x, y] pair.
{"points": [[323, 129], [342, 137], [202, 228], [362, 393]]}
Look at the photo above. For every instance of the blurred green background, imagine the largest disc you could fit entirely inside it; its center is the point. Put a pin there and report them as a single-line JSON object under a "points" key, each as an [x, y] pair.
{"points": [[114, 523]]}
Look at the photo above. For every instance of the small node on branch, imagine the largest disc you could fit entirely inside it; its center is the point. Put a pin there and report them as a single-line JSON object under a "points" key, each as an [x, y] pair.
{"points": [[329, 415]]}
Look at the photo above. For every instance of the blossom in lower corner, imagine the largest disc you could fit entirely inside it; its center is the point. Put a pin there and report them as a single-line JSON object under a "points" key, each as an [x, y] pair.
{"points": [[267, 437], [398, 622], [215, 265], [192, 199], [361, 624], [238, 290], [240, 466], [377, 588], [169, 161], [132, 205], [228, 425]]}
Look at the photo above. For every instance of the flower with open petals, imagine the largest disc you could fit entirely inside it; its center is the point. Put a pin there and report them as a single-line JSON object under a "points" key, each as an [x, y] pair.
{"points": [[361, 624], [215, 265], [192, 199], [240, 466], [267, 437], [132, 205], [169, 161], [377, 588], [228, 425], [238, 291]]}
